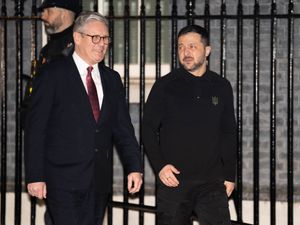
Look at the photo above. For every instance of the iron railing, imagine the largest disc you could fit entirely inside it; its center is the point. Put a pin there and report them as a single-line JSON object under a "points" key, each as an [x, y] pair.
{"points": [[189, 17]]}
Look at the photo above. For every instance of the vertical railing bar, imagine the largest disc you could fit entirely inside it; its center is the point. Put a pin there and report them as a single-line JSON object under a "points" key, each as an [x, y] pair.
{"points": [[95, 6], [111, 33], [142, 98], [223, 40], [174, 35], [206, 14], [158, 40], [126, 86], [3, 115], [273, 115], [239, 192], [207, 22], [33, 57], [290, 119], [256, 115], [190, 7], [32, 210], [34, 32], [126, 49], [111, 65], [19, 8]]}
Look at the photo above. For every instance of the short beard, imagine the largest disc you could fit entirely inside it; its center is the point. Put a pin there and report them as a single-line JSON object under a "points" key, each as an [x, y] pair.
{"points": [[50, 30], [194, 68], [54, 27]]}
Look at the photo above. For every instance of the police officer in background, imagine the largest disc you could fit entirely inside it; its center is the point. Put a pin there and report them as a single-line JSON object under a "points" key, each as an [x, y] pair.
{"points": [[58, 17]]}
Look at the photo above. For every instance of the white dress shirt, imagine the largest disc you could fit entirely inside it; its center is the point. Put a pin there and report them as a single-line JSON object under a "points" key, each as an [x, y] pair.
{"points": [[82, 69]]}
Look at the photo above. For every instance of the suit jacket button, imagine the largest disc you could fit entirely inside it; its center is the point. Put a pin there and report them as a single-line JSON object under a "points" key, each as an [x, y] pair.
{"points": [[97, 131], [96, 149]]}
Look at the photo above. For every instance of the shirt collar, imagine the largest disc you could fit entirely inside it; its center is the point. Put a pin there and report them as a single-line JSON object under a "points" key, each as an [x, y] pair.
{"points": [[82, 65]]}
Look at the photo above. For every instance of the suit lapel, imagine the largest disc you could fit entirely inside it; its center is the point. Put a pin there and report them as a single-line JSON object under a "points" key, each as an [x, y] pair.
{"points": [[80, 92], [105, 103]]}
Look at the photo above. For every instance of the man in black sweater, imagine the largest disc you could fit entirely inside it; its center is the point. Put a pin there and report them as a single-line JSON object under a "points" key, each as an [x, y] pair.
{"points": [[189, 133]]}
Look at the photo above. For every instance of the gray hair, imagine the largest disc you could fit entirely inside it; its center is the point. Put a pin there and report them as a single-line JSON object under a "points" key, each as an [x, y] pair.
{"points": [[87, 16]]}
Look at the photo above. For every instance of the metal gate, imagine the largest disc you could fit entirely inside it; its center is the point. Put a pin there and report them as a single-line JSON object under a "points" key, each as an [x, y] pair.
{"points": [[255, 46]]}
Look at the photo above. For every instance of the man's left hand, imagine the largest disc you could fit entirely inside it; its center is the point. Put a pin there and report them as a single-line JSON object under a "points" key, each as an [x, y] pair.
{"points": [[134, 182], [229, 187]]}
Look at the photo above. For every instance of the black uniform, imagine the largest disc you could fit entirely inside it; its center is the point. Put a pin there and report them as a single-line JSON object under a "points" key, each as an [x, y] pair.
{"points": [[59, 45], [189, 122]]}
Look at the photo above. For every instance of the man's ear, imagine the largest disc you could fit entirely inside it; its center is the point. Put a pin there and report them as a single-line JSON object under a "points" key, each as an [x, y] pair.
{"points": [[207, 50], [76, 37]]}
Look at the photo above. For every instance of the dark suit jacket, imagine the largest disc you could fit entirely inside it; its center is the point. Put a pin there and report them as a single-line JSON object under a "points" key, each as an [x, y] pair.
{"points": [[64, 146]]}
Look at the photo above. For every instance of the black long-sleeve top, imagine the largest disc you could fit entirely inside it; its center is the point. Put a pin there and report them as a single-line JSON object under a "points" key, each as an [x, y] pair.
{"points": [[189, 122], [59, 45]]}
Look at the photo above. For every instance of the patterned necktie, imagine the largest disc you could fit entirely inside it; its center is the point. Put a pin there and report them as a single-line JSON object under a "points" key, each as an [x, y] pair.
{"points": [[92, 93]]}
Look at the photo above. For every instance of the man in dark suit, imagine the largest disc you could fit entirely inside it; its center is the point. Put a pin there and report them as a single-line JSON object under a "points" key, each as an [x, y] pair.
{"points": [[58, 17], [77, 111]]}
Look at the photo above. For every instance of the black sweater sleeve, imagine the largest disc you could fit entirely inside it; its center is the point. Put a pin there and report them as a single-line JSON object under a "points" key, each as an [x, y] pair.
{"points": [[228, 136], [152, 119]]}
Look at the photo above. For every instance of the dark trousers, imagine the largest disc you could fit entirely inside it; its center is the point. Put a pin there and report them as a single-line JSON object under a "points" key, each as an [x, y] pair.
{"points": [[208, 200], [80, 207]]}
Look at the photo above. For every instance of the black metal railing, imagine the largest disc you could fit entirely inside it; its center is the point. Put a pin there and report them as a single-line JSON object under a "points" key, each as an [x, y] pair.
{"points": [[13, 26]]}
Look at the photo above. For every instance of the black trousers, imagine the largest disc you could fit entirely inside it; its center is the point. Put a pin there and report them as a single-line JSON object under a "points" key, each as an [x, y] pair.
{"points": [[208, 200], [80, 207]]}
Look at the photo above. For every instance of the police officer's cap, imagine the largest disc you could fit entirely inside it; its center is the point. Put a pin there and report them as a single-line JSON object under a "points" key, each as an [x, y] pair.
{"points": [[72, 5]]}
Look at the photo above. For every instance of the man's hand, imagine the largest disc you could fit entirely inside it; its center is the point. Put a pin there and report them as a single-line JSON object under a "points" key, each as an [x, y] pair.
{"points": [[229, 187], [134, 182], [37, 189], [167, 175]]}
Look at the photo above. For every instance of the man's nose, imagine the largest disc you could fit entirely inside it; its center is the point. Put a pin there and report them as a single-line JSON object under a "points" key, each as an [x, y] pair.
{"points": [[187, 52], [43, 15]]}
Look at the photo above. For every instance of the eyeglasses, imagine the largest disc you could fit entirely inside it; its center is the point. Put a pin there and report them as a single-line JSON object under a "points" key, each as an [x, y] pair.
{"points": [[96, 39]]}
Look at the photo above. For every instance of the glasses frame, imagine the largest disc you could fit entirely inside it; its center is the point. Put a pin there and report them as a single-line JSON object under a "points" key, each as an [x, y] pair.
{"points": [[99, 38]]}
